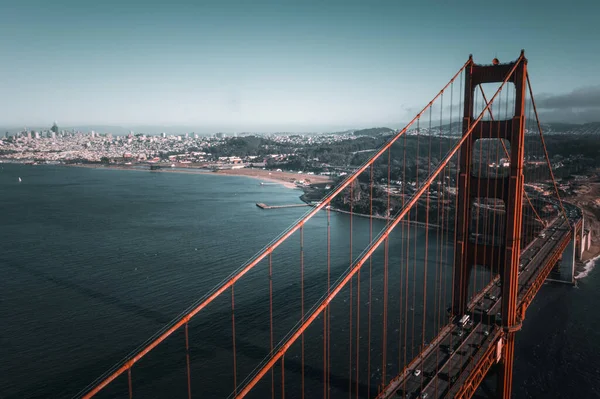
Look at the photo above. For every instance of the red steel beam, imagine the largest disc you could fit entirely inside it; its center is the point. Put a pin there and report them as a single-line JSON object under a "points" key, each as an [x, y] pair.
{"points": [[483, 365], [371, 249], [553, 257], [390, 388], [473, 378], [261, 255], [513, 234], [508, 155], [479, 372]]}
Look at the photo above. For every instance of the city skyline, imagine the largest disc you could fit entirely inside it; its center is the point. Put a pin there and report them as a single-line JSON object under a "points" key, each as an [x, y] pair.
{"points": [[233, 66]]}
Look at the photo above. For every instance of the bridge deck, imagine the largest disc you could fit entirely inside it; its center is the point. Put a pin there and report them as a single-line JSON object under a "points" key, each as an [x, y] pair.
{"points": [[450, 358]]}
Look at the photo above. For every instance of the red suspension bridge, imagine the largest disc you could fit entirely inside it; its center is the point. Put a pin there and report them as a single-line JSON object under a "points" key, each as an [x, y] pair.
{"points": [[416, 289]]}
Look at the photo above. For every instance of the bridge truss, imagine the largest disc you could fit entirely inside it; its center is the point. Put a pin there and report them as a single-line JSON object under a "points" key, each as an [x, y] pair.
{"points": [[458, 213]]}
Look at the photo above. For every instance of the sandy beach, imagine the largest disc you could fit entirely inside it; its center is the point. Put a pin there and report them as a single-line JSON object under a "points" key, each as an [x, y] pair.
{"points": [[284, 178]]}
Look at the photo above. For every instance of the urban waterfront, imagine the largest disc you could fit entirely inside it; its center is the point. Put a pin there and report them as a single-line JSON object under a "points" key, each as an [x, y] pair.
{"points": [[95, 261]]}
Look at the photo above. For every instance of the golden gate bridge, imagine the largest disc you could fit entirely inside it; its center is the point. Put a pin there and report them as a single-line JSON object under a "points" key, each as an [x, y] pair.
{"points": [[449, 231]]}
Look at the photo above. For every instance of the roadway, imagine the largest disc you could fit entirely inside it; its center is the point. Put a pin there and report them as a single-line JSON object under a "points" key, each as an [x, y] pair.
{"points": [[445, 365]]}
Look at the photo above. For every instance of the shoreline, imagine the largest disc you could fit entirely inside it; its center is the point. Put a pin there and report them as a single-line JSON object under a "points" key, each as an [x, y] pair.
{"points": [[588, 267], [584, 267], [586, 196], [231, 172], [257, 174]]}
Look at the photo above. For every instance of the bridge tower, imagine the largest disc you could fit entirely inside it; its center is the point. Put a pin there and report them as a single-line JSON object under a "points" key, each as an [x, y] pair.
{"points": [[503, 257]]}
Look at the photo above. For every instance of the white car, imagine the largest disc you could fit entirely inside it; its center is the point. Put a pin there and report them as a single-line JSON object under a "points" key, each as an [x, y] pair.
{"points": [[417, 372]]}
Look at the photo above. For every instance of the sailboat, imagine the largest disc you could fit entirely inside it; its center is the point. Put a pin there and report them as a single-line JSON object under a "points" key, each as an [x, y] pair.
{"points": [[19, 180]]}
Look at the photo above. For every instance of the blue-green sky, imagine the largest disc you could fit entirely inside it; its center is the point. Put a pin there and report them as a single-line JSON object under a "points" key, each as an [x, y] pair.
{"points": [[273, 65]]}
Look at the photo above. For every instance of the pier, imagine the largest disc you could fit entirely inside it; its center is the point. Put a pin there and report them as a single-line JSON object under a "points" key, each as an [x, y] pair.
{"points": [[265, 206]]}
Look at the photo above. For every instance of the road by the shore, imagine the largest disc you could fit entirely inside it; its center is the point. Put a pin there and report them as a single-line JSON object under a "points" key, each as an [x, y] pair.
{"points": [[587, 197]]}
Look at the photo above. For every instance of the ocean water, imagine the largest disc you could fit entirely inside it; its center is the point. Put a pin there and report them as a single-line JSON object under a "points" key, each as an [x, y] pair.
{"points": [[95, 261], [557, 353]]}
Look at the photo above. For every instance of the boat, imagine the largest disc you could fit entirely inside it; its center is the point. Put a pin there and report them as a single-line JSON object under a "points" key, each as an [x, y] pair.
{"points": [[19, 180]]}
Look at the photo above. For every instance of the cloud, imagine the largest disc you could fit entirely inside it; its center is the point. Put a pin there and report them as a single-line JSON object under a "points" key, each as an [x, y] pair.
{"points": [[570, 115], [581, 98], [582, 105]]}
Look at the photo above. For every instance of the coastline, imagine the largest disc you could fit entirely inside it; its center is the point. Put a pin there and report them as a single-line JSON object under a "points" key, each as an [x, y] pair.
{"points": [[587, 268], [283, 178], [588, 261], [593, 251], [586, 195]]}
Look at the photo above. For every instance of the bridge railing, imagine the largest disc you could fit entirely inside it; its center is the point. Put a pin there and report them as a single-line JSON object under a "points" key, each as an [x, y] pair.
{"points": [[345, 298], [284, 347], [259, 302]]}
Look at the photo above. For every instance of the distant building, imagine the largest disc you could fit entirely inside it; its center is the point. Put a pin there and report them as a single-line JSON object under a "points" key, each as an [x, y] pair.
{"points": [[54, 128], [220, 135], [163, 134]]}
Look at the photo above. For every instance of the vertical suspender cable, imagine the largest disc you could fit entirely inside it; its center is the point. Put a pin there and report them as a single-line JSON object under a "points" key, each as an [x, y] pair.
{"points": [[233, 339], [302, 303], [537, 119], [271, 321], [129, 383], [187, 360]]}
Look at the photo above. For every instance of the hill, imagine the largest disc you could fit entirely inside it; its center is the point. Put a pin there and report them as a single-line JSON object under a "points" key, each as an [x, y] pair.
{"points": [[553, 128], [374, 132]]}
